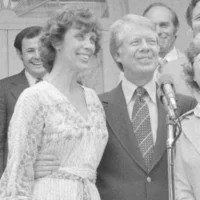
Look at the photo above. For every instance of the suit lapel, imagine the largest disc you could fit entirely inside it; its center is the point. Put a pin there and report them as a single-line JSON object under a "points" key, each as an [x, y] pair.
{"points": [[19, 84], [160, 145], [118, 119]]}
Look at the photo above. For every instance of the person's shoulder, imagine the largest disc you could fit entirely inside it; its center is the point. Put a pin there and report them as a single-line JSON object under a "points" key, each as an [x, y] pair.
{"points": [[104, 97], [182, 98], [10, 78], [110, 95], [36, 91], [185, 103], [91, 93]]}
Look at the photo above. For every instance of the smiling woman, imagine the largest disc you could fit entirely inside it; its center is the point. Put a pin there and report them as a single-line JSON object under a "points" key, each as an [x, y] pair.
{"points": [[59, 116]]}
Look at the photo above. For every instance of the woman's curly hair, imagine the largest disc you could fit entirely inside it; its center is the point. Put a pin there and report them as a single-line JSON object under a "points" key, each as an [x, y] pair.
{"points": [[192, 53], [55, 29]]}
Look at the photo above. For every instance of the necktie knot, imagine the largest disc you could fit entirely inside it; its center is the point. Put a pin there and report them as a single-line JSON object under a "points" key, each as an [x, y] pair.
{"points": [[140, 92], [38, 80], [162, 63]]}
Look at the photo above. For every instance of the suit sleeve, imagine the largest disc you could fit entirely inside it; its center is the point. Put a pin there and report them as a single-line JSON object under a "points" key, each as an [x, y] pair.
{"points": [[183, 189], [3, 129], [24, 136]]}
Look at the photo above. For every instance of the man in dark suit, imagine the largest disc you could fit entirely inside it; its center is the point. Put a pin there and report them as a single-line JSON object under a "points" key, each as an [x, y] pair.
{"points": [[26, 44], [123, 173], [134, 164]]}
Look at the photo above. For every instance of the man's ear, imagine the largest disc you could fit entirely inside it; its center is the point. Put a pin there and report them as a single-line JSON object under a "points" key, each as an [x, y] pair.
{"points": [[117, 56], [19, 53], [176, 32], [158, 47]]}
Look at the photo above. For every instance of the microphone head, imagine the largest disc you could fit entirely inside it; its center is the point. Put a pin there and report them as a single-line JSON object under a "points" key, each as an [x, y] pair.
{"points": [[165, 79]]}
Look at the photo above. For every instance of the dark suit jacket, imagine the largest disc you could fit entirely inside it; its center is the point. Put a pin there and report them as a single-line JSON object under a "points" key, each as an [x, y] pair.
{"points": [[122, 174], [10, 89]]}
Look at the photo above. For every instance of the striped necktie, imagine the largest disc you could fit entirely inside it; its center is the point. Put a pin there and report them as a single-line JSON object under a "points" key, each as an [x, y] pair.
{"points": [[142, 126]]}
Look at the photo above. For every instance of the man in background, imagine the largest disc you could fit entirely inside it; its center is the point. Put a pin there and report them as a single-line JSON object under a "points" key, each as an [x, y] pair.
{"points": [[27, 48], [171, 59]]}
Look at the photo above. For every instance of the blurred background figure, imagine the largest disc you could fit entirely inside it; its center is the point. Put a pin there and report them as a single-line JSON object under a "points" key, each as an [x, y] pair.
{"points": [[167, 25], [187, 170], [171, 59], [192, 16], [27, 48]]}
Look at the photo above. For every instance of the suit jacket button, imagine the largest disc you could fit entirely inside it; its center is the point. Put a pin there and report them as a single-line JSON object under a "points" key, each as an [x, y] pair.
{"points": [[148, 179]]}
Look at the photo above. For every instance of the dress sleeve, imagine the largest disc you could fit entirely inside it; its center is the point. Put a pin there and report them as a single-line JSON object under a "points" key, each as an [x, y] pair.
{"points": [[183, 189], [24, 138]]}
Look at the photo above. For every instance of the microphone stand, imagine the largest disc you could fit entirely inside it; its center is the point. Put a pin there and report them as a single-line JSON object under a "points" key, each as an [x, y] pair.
{"points": [[170, 156]]}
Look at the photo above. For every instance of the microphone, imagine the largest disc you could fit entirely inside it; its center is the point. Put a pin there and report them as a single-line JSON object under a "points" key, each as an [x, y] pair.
{"points": [[166, 85], [167, 106]]}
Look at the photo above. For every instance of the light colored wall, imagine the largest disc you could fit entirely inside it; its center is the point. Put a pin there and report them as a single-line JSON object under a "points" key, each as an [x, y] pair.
{"points": [[179, 6]]}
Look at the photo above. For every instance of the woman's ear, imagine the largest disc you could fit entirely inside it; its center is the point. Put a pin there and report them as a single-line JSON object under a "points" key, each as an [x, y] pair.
{"points": [[57, 45]]}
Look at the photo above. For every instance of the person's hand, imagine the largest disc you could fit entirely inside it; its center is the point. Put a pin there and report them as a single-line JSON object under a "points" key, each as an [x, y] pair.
{"points": [[45, 164]]}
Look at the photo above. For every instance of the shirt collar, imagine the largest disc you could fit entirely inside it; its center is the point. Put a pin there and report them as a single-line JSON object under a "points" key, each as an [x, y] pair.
{"points": [[129, 89], [172, 55], [31, 79]]}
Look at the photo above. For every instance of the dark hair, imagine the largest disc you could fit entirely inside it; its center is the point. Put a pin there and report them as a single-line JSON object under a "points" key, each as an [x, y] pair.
{"points": [[189, 11], [188, 68], [29, 32], [160, 4], [55, 29]]}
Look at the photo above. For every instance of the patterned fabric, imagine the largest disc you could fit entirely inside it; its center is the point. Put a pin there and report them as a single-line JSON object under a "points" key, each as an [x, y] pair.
{"points": [[45, 121], [142, 126]]}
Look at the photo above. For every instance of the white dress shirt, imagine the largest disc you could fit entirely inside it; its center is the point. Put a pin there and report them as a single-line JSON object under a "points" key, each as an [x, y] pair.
{"points": [[174, 54], [31, 79], [129, 89]]}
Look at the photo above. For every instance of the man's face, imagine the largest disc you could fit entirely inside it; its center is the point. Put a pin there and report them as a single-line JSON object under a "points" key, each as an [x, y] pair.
{"points": [[165, 28], [31, 58], [196, 19], [138, 52]]}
